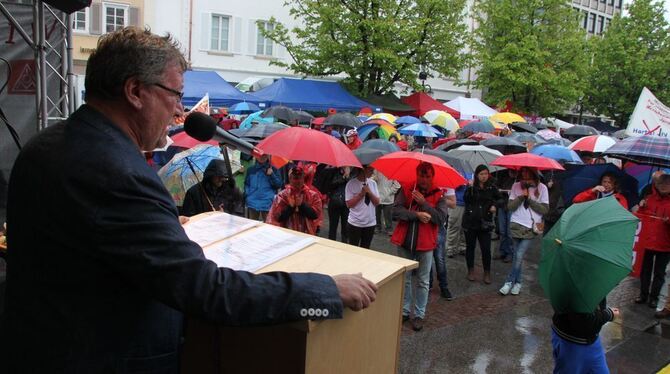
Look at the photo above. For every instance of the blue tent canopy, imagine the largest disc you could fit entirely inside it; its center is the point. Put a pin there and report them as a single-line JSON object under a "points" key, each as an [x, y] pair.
{"points": [[308, 94], [221, 93]]}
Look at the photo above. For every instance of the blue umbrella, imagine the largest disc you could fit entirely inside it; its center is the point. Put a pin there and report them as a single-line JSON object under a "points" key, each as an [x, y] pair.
{"points": [[243, 108], [178, 174], [419, 129], [255, 118], [407, 120], [557, 152], [578, 178], [479, 126]]}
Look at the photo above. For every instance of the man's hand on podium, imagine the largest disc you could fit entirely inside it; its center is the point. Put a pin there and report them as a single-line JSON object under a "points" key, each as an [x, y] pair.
{"points": [[356, 292]]}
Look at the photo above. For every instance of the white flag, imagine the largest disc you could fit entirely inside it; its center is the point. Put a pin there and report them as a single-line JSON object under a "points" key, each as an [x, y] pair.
{"points": [[650, 117]]}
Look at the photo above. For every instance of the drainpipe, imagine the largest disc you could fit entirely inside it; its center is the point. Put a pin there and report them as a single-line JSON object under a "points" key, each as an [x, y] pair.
{"points": [[190, 29]]}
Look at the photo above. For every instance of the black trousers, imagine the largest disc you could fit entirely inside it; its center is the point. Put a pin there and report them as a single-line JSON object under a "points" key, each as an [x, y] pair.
{"points": [[338, 214], [484, 239], [653, 264], [361, 236]]}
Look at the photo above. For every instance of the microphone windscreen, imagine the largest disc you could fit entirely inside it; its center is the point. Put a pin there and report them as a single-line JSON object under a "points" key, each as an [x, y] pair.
{"points": [[200, 126]]}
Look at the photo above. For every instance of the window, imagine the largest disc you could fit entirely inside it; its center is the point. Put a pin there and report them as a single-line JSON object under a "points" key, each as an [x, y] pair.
{"points": [[115, 16], [618, 4], [586, 19], [601, 24], [592, 23], [264, 45], [80, 20], [220, 33]]}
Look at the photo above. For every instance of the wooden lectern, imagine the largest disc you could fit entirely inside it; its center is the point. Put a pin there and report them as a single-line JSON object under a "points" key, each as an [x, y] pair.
{"points": [[361, 342]]}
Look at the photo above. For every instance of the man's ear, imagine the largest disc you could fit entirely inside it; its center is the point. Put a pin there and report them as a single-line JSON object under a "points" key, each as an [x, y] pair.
{"points": [[132, 91]]}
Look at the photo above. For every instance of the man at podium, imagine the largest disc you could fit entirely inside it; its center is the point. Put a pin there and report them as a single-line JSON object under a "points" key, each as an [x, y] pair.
{"points": [[100, 271]]}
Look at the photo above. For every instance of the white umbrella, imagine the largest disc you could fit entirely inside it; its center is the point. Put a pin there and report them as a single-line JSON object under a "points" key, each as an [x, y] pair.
{"points": [[471, 108], [476, 155]]}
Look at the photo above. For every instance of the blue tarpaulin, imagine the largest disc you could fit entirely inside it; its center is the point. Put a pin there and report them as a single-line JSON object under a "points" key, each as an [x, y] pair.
{"points": [[221, 93], [305, 94]]}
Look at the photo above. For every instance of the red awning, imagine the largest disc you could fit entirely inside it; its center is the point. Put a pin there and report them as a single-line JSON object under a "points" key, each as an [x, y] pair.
{"points": [[422, 102]]}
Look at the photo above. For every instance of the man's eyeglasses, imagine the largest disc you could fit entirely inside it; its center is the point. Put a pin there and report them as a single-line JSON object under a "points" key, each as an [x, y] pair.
{"points": [[180, 95]]}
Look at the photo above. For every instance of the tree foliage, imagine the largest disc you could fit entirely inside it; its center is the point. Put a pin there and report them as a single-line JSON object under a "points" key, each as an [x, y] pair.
{"points": [[373, 43], [633, 53], [531, 52]]}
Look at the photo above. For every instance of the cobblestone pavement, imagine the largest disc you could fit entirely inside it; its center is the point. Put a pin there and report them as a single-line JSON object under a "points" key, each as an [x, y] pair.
{"points": [[481, 331]]}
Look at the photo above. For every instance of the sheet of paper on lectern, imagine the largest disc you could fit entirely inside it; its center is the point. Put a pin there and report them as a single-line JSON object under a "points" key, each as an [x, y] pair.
{"points": [[217, 227], [256, 248]]}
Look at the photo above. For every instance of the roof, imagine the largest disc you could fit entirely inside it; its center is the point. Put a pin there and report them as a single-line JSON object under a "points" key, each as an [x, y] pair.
{"points": [[389, 103], [422, 103], [221, 93]]}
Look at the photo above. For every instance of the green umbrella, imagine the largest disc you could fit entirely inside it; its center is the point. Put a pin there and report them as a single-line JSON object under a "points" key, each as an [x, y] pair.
{"points": [[586, 254]]}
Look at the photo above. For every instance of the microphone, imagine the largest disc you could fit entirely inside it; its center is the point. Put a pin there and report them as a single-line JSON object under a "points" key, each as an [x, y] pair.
{"points": [[202, 127]]}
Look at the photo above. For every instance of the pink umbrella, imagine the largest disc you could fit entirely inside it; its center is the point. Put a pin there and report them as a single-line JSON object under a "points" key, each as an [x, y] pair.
{"points": [[593, 144], [519, 160], [547, 134]]}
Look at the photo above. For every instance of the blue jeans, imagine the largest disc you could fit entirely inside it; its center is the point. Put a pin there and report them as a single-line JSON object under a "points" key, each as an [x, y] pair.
{"points": [[425, 259], [505, 246], [575, 358], [520, 248], [438, 259]]}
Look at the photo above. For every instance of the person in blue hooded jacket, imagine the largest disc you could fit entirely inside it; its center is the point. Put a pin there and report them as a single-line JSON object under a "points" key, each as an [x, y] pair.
{"points": [[260, 187]]}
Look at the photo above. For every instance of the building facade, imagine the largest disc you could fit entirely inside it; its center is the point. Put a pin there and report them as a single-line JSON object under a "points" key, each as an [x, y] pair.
{"points": [[597, 14]]}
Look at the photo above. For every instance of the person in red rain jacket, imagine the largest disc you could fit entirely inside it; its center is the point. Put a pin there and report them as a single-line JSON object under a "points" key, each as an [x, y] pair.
{"points": [[609, 186]]}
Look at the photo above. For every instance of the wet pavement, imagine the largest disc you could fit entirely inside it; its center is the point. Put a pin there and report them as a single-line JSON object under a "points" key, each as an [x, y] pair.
{"points": [[481, 331]]}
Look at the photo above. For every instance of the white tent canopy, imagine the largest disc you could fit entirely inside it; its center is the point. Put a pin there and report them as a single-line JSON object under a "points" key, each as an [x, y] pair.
{"points": [[471, 108]]}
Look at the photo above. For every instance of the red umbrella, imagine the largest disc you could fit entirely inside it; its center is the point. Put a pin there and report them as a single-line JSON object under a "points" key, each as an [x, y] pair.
{"points": [[183, 140], [519, 160], [401, 166], [300, 144]]}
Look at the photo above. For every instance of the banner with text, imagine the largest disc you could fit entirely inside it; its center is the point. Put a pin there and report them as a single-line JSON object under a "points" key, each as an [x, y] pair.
{"points": [[650, 117]]}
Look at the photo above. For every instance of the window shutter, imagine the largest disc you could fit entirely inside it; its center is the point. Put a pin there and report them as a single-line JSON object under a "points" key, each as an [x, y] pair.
{"points": [[253, 38], [134, 16], [96, 19], [205, 30], [236, 35]]}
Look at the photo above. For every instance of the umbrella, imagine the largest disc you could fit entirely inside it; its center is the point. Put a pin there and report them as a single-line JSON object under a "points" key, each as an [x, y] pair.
{"points": [[407, 120], [479, 126], [318, 121], [383, 145], [482, 136], [557, 152], [524, 137], [504, 145], [182, 139], [476, 155], [460, 165], [419, 129], [579, 131], [462, 123], [452, 144], [647, 149], [384, 131], [243, 108], [540, 125], [580, 177], [255, 118], [523, 127], [506, 118], [593, 144], [259, 132], [620, 134], [343, 119], [303, 117], [547, 134], [519, 160], [441, 118], [401, 166], [297, 143], [586, 254], [280, 113], [368, 155], [642, 173], [559, 141], [385, 116], [177, 175]]}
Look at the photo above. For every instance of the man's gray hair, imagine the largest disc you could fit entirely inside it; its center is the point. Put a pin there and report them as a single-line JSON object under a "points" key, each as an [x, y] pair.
{"points": [[127, 53]]}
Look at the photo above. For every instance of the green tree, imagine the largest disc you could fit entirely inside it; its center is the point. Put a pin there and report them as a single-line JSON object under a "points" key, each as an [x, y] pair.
{"points": [[633, 53], [373, 43], [531, 52]]}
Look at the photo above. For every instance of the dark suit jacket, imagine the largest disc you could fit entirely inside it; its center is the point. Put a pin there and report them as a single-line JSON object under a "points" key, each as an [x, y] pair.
{"points": [[100, 270]]}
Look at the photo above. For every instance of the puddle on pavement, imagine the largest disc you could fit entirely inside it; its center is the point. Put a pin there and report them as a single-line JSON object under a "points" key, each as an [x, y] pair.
{"points": [[661, 329]]}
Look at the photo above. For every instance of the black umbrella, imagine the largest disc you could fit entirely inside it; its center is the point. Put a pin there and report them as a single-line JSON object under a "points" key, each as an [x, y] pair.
{"points": [[303, 117], [280, 113], [455, 144], [504, 145], [260, 131], [523, 126], [561, 141], [620, 134], [460, 165], [524, 137], [540, 125], [368, 155], [343, 119], [380, 144], [579, 131]]}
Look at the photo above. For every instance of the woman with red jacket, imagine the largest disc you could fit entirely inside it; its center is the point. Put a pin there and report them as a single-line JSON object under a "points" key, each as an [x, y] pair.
{"points": [[609, 186], [657, 206]]}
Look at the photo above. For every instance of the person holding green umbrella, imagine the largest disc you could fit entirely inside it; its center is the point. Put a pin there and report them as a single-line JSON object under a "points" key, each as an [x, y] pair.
{"points": [[584, 256]]}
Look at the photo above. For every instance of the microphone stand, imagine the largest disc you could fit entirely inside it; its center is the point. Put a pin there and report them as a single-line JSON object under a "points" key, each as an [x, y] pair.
{"points": [[202, 188]]}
